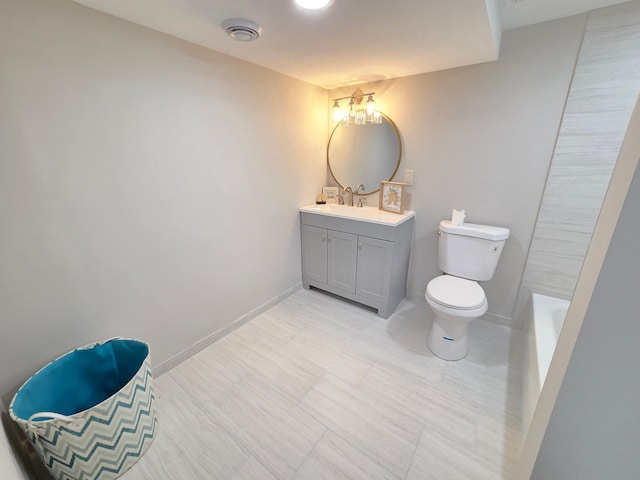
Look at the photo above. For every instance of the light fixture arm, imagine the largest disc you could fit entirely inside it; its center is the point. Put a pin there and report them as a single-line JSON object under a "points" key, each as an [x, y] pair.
{"points": [[354, 96]]}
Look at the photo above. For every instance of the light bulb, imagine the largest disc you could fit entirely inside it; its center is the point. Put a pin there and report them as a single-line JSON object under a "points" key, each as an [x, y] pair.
{"points": [[338, 113], [370, 106]]}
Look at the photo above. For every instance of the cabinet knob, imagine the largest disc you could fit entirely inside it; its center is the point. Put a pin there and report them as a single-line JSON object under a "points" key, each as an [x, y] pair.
{"points": [[324, 237], [328, 238], [359, 245]]}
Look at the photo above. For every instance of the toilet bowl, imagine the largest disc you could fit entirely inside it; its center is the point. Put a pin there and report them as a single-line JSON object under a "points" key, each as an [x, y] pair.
{"points": [[455, 301]]}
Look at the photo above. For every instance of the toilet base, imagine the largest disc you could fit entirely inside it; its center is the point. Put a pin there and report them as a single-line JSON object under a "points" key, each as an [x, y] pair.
{"points": [[449, 340]]}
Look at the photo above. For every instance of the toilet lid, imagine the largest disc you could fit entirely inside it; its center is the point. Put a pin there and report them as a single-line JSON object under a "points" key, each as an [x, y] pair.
{"points": [[455, 292]]}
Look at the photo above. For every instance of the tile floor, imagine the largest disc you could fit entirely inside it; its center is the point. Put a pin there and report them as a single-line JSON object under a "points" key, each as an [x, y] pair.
{"points": [[319, 388]]}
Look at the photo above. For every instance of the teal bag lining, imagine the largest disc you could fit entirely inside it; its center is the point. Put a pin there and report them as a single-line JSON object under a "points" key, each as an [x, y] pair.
{"points": [[81, 379]]}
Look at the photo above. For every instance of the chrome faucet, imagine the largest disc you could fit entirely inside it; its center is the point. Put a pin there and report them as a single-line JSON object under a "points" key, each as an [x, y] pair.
{"points": [[358, 187], [344, 192]]}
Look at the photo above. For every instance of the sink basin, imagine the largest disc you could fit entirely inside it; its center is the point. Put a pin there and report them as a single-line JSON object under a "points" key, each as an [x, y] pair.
{"points": [[364, 214]]}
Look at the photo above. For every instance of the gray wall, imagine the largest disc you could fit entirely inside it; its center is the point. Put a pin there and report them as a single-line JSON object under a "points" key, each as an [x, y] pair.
{"points": [[594, 431], [603, 93], [148, 187], [480, 138]]}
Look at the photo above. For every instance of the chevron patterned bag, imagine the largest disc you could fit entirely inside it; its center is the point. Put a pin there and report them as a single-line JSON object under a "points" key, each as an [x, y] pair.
{"points": [[90, 414]]}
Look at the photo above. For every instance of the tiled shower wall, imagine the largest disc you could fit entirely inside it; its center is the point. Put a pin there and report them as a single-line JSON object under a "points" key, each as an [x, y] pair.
{"points": [[603, 93]]}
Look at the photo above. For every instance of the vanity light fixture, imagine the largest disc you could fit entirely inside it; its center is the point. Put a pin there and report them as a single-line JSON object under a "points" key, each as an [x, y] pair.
{"points": [[357, 115], [313, 4]]}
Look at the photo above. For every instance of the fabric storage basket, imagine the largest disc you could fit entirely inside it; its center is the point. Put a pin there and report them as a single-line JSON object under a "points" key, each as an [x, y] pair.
{"points": [[90, 414]]}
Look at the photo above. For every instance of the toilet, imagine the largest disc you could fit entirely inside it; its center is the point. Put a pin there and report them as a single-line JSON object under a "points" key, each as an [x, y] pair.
{"points": [[467, 254]]}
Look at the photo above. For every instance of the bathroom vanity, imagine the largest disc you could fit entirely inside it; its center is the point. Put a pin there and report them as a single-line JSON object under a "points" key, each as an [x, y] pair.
{"points": [[361, 254]]}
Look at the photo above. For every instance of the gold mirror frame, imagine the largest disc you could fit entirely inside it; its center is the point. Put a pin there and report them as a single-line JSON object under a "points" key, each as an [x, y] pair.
{"points": [[364, 158]]}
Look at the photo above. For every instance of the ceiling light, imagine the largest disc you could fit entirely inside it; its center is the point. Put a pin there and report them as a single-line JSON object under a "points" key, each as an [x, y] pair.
{"points": [[313, 4], [242, 29]]}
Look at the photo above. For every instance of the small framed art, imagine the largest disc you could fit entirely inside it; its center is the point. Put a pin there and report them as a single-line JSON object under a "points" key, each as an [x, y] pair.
{"points": [[331, 194], [392, 196]]}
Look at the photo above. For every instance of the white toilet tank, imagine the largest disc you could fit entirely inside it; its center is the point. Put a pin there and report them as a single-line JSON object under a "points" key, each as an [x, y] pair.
{"points": [[469, 250]]}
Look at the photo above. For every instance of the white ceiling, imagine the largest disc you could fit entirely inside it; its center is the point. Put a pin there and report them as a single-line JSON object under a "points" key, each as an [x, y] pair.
{"points": [[353, 41]]}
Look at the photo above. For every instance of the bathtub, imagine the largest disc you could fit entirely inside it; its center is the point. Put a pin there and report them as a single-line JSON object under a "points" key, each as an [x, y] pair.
{"points": [[544, 318]]}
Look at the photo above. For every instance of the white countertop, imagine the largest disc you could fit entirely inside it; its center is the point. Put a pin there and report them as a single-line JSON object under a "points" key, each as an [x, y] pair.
{"points": [[363, 214]]}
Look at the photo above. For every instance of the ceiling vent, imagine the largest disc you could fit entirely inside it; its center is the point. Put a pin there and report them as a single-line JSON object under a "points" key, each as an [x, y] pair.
{"points": [[241, 29]]}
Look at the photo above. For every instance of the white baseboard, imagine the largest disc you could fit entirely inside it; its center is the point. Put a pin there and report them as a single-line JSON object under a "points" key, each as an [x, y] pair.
{"points": [[18, 460], [177, 359], [415, 297], [499, 319]]}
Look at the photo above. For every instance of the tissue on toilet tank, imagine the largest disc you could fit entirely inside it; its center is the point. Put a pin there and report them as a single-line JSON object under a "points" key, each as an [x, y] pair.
{"points": [[457, 217]]}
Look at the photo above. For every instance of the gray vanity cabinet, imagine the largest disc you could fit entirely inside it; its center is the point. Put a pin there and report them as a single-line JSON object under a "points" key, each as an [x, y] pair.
{"points": [[329, 257], [362, 261], [374, 267], [342, 256], [314, 254]]}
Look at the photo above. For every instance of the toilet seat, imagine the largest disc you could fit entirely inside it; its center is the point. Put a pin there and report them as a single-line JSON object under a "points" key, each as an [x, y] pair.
{"points": [[456, 293]]}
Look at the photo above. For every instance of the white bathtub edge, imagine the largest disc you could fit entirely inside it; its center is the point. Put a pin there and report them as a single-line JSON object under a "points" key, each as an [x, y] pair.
{"points": [[541, 337]]}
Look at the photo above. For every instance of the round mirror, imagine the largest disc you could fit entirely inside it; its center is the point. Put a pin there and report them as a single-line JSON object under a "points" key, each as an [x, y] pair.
{"points": [[367, 154]]}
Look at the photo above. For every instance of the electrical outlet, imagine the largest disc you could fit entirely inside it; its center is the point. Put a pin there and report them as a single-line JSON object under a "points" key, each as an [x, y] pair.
{"points": [[408, 177]]}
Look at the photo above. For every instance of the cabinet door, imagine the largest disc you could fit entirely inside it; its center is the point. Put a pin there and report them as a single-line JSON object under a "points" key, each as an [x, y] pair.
{"points": [[374, 268], [343, 253], [314, 253]]}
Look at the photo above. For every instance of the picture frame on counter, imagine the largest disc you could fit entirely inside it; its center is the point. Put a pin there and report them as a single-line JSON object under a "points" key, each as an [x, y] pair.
{"points": [[392, 196], [331, 194]]}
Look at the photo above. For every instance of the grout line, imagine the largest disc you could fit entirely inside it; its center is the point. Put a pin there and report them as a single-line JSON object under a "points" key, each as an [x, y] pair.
{"points": [[415, 451]]}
